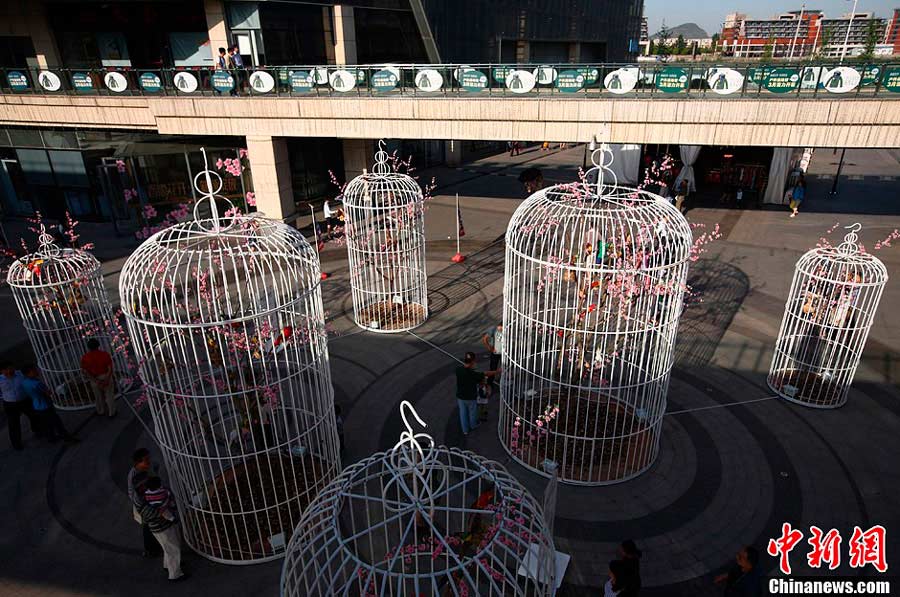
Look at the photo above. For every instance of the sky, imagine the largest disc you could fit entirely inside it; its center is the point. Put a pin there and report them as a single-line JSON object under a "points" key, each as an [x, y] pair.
{"points": [[710, 14]]}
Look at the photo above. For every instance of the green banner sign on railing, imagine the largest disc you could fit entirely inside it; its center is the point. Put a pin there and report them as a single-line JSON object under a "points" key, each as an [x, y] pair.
{"points": [[781, 80], [891, 79], [672, 80]]}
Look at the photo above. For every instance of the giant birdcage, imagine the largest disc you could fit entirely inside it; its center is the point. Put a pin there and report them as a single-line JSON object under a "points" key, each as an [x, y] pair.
{"points": [[63, 304], [827, 318], [226, 317], [384, 223], [421, 520], [595, 278]]}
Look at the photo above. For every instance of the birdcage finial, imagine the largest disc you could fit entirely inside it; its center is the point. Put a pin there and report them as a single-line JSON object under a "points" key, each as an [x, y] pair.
{"points": [[408, 459], [602, 158], [381, 159], [46, 244], [851, 239], [210, 195]]}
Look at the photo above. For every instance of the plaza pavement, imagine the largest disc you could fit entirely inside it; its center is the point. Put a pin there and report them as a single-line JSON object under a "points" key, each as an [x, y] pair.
{"points": [[733, 465]]}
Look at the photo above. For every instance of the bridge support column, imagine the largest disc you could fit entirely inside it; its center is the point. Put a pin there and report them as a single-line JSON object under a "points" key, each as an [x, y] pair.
{"points": [[359, 154], [344, 35], [215, 22], [272, 185], [453, 153]]}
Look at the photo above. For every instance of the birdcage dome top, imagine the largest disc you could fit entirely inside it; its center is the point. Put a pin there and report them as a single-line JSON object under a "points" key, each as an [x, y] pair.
{"points": [[172, 275], [565, 220], [51, 265], [382, 187], [429, 485], [844, 263]]}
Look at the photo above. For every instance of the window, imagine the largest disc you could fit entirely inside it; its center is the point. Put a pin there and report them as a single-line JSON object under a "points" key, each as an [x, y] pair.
{"points": [[15, 50]]}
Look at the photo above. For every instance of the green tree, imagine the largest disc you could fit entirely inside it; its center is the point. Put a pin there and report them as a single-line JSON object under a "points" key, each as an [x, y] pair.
{"points": [[715, 42], [872, 37], [825, 40], [768, 49], [652, 49], [680, 45], [662, 41]]}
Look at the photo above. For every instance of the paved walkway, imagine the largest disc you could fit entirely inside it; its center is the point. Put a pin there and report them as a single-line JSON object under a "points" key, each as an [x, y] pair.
{"points": [[734, 463]]}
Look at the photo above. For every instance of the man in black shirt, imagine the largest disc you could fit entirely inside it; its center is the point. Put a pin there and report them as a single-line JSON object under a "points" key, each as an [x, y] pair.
{"points": [[467, 380]]}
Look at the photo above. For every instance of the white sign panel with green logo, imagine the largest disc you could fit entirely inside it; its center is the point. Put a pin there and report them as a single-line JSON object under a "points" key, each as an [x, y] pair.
{"points": [[621, 80]]}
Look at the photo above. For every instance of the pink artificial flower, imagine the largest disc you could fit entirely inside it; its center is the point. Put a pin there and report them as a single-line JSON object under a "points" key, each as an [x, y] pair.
{"points": [[149, 211], [242, 152], [120, 166], [219, 164], [251, 199]]}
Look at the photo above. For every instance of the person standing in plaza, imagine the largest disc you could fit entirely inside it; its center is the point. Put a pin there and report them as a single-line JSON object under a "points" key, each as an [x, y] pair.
{"points": [[630, 557], [744, 578], [681, 195], [97, 366], [15, 404], [142, 469], [158, 512], [493, 341], [42, 403], [467, 380], [798, 195]]}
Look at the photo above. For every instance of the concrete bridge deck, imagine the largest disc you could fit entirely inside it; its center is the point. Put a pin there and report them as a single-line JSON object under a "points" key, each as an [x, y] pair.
{"points": [[768, 120]]}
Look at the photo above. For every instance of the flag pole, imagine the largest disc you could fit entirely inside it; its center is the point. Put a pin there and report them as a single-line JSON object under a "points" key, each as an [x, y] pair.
{"points": [[312, 211], [459, 257]]}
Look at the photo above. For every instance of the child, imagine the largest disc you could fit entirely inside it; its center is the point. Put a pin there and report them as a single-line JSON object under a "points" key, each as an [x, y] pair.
{"points": [[485, 389], [159, 497]]}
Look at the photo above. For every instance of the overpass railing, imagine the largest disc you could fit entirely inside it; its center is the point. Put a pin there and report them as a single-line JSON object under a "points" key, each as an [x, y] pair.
{"points": [[657, 80]]}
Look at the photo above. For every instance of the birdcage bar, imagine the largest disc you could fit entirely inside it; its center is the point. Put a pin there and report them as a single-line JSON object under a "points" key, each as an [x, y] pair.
{"points": [[384, 219], [226, 317], [595, 278], [63, 303], [829, 312], [417, 520]]}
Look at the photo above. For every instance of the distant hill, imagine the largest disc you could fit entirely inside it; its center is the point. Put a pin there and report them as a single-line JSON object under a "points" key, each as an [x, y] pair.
{"points": [[688, 30]]}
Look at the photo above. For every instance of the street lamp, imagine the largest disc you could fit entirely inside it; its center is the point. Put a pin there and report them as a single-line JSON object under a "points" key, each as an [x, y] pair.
{"points": [[847, 36]]}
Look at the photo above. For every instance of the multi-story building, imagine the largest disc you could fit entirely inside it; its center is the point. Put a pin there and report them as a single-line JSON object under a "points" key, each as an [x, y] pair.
{"points": [[835, 40], [892, 37], [82, 171], [800, 33], [790, 34]]}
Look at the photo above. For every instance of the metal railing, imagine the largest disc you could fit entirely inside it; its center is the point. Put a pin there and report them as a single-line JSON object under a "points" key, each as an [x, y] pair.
{"points": [[660, 80]]}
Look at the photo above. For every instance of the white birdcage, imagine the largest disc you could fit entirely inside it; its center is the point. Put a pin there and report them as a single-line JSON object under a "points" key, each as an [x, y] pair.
{"points": [[384, 216], [418, 520], [63, 304], [827, 318], [225, 313], [594, 286]]}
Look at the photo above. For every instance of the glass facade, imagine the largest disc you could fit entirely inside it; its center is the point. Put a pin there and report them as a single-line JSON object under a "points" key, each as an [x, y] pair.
{"points": [[556, 30]]}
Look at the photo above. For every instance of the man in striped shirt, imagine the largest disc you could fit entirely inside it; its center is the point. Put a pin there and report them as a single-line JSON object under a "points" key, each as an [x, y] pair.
{"points": [[141, 470]]}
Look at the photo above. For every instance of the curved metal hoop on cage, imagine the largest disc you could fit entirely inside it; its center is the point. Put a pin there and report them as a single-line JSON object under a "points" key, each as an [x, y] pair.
{"points": [[384, 224], [594, 285], [829, 311], [63, 303], [228, 323], [479, 532]]}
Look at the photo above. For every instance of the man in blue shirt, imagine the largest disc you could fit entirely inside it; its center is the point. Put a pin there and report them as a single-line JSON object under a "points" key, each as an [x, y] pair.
{"points": [[41, 402], [15, 404]]}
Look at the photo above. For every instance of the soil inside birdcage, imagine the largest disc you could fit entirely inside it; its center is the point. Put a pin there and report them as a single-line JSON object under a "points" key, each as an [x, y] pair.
{"points": [[583, 459], [238, 524], [392, 316], [807, 386]]}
